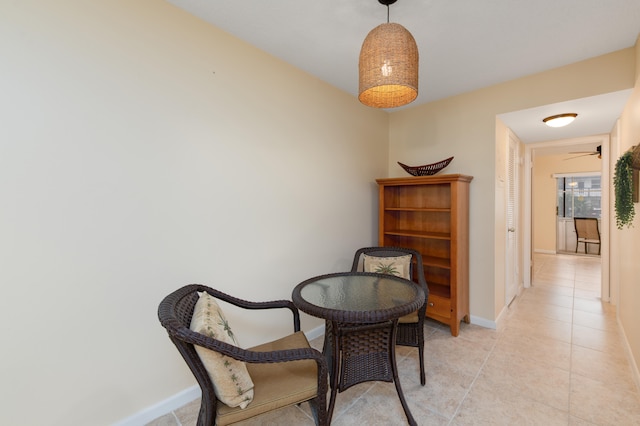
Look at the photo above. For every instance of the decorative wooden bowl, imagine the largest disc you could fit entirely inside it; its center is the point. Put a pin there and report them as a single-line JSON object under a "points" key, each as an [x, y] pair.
{"points": [[427, 169]]}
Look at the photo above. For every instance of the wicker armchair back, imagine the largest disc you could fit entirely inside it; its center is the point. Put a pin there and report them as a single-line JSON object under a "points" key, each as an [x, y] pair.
{"points": [[409, 333]]}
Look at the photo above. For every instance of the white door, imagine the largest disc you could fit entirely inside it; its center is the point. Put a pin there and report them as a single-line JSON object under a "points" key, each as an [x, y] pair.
{"points": [[511, 262]]}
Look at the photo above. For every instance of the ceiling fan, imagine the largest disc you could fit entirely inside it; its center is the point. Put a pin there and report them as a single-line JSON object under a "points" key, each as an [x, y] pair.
{"points": [[597, 152]]}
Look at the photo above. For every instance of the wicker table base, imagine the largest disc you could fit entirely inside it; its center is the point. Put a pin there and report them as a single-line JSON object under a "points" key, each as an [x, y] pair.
{"points": [[361, 312], [363, 353]]}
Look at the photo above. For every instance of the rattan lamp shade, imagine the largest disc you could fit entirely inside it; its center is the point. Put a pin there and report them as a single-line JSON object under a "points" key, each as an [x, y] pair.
{"points": [[388, 67]]}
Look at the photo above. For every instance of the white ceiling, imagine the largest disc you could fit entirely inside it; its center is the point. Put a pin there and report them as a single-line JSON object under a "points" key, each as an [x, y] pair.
{"points": [[464, 44], [596, 115]]}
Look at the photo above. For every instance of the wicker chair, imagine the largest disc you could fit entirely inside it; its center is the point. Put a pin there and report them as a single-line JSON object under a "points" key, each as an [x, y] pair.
{"points": [[587, 232], [284, 372], [410, 327]]}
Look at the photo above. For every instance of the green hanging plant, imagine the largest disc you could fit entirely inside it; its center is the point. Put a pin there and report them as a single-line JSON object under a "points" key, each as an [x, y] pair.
{"points": [[623, 185]]}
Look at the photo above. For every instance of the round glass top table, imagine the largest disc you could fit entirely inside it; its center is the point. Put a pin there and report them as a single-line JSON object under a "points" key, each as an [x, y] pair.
{"points": [[361, 310], [358, 297]]}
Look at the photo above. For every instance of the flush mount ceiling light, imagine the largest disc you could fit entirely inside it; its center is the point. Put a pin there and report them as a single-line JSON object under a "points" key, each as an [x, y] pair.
{"points": [[388, 66], [560, 120]]}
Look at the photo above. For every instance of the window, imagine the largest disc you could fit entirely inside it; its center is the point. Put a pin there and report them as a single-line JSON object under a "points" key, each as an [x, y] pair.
{"points": [[579, 196]]}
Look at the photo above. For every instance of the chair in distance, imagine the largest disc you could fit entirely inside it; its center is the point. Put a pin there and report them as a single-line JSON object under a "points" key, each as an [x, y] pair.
{"points": [[587, 232], [410, 327], [284, 372]]}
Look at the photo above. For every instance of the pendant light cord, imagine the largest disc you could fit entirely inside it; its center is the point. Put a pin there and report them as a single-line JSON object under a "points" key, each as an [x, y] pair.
{"points": [[387, 14]]}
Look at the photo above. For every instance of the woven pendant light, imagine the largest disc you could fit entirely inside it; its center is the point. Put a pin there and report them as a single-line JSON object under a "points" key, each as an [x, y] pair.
{"points": [[388, 66]]}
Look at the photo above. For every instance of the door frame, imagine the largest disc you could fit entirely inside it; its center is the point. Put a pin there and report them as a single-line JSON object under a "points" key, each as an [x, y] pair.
{"points": [[512, 264], [529, 160]]}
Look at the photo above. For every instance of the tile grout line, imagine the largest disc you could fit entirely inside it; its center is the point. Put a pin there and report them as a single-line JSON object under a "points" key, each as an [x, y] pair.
{"points": [[466, 394]]}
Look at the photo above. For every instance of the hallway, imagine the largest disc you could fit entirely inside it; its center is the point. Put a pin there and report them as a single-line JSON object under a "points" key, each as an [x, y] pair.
{"points": [[563, 312], [557, 359]]}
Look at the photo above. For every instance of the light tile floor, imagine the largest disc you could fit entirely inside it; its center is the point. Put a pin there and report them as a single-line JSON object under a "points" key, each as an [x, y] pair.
{"points": [[557, 359]]}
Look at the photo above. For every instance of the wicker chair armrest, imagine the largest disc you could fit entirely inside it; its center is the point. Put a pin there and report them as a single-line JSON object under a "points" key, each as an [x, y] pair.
{"points": [[245, 304], [247, 355], [272, 304]]}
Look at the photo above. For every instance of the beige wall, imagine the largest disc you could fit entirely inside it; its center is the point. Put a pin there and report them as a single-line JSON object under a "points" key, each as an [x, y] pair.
{"points": [[465, 126], [141, 150], [627, 240], [544, 193]]}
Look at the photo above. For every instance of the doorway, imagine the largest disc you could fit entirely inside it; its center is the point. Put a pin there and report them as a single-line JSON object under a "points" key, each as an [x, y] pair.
{"points": [[578, 196], [536, 150]]}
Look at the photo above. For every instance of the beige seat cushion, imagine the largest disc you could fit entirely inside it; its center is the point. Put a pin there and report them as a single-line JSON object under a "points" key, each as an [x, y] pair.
{"points": [[231, 380], [276, 385], [410, 318]]}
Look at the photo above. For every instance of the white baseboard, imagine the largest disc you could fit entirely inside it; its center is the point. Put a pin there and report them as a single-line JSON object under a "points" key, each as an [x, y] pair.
{"points": [[483, 322], [501, 315], [161, 408], [184, 397], [315, 333], [544, 251], [632, 362]]}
